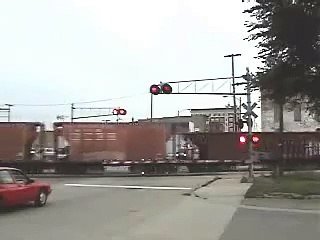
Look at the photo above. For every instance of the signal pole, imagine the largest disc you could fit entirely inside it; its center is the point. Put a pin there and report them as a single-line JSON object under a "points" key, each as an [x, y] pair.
{"points": [[151, 108], [9, 111], [249, 123], [234, 90], [72, 108]]}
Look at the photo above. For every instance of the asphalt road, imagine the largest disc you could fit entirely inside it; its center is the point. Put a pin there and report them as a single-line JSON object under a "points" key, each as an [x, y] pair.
{"points": [[254, 224], [155, 209], [77, 213]]}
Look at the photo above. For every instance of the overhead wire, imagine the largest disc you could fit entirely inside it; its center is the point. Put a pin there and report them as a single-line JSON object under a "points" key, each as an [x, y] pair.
{"points": [[79, 102]]}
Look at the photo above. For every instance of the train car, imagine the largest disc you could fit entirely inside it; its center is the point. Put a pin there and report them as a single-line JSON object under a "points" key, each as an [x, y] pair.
{"points": [[89, 142], [290, 146], [153, 148], [16, 139]]}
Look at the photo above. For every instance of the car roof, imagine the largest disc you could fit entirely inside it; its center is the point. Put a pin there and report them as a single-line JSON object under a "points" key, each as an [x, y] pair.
{"points": [[8, 168]]}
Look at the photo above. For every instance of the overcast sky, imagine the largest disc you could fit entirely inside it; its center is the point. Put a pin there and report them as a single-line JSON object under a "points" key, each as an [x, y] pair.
{"points": [[63, 51]]}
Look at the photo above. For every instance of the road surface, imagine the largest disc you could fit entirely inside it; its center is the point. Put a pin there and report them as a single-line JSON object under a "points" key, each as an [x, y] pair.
{"points": [[153, 208], [255, 224], [93, 212]]}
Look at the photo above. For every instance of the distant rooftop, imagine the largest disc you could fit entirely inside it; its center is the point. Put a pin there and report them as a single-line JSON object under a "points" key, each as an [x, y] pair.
{"points": [[211, 109]]}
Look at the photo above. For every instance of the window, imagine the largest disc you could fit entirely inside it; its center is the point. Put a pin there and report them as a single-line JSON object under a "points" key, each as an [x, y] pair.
{"points": [[19, 177], [5, 177], [297, 113]]}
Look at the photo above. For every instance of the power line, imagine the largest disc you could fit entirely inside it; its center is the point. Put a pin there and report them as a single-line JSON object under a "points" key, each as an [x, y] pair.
{"points": [[111, 99], [82, 102]]}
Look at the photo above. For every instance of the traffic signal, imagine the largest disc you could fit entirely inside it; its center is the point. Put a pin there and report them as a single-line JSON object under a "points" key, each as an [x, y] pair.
{"points": [[255, 139], [166, 88], [119, 111], [243, 139], [155, 89], [163, 88]]}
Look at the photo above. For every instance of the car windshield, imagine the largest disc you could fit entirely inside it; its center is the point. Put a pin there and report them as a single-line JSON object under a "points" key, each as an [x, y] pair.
{"points": [[160, 119]]}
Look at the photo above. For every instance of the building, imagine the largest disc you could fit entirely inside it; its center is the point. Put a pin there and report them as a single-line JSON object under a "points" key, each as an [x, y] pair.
{"points": [[178, 124], [217, 119], [201, 120], [295, 118]]}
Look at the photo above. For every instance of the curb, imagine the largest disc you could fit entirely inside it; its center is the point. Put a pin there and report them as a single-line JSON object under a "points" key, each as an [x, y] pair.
{"points": [[286, 196], [121, 175], [192, 192]]}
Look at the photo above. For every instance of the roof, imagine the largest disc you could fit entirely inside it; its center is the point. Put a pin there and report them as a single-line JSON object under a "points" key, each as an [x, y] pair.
{"points": [[25, 123], [165, 118], [211, 109]]}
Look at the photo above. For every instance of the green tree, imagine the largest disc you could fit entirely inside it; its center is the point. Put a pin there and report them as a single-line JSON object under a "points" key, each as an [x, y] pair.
{"points": [[288, 39], [287, 33]]}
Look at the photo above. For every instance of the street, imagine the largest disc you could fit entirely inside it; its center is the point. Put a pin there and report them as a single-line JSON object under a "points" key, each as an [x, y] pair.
{"points": [[253, 224], [100, 213], [152, 208]]}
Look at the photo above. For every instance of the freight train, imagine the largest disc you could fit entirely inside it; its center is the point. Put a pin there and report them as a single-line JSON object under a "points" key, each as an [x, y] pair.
{"points": [[82, 147]]}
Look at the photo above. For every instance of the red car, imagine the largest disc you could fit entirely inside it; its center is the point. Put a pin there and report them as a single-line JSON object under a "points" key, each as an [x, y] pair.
{"points": [[16, 189]]}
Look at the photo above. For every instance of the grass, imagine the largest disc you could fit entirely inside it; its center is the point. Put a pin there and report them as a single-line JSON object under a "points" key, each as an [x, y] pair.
{"points": [[303, 184]]}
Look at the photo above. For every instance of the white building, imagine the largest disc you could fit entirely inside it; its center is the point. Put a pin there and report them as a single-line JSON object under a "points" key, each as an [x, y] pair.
{"points": [[295, 119], [218, 119]]}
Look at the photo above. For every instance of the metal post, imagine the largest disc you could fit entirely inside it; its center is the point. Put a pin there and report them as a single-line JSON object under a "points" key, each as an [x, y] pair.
{"points": [[151, 107], [9, 111], [72, 108], [240, 107], [250, 145], [234, 91]]}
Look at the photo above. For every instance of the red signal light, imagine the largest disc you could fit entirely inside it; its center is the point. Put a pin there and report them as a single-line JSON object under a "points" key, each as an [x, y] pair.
{"points": [[155, 89], [166, 88], [119, 111], [255, 139], [243, 139], [122, 111], [115, 111]]}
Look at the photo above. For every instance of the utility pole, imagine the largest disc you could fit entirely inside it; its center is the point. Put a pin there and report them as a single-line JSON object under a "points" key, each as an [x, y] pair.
{"points": [[151, 108], [234, 91], [249, 123], [72, 108]]}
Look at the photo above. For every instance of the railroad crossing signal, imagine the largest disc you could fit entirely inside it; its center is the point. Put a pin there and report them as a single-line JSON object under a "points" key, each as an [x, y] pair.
{"points": [[119, 111], [244, 139], [162, 88], [245, 106]]}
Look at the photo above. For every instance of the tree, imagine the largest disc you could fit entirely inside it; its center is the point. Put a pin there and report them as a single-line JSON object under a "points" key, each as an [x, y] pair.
{"points": [[288, 39], [288, 35]]}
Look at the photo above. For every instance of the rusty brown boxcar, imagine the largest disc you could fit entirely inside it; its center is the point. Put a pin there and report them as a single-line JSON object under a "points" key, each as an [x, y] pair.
{"points": [[16, 140], [292, 146], [100, 141]]}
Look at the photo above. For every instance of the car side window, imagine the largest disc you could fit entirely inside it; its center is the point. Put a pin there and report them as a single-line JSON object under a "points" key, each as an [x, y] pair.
{"points": [[19, 177], [6, 178]]}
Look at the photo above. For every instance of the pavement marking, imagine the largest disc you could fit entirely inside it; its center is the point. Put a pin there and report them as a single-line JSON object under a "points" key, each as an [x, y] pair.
{"points": [[124, 186], [289, 210]]}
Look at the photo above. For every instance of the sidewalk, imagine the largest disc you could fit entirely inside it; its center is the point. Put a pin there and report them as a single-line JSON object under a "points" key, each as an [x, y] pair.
{"points": [[204, 217], [226, 191]]}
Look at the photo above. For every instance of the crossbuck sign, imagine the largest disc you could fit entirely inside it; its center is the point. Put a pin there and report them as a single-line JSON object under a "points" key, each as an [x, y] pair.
{"points": [[245, 106]]}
